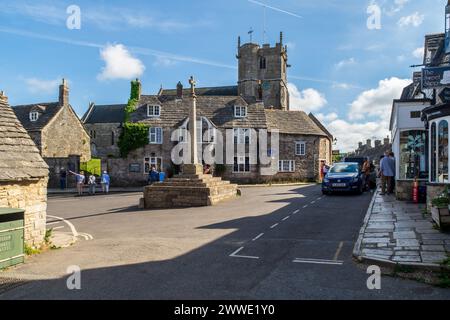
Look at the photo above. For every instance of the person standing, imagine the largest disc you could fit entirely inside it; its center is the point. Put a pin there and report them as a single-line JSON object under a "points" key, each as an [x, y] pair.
{"points": [[80, 177], [63, 179], [92, 184], [153, 176], [366, 173], [105, 180], [392, 164], [387, 171]]}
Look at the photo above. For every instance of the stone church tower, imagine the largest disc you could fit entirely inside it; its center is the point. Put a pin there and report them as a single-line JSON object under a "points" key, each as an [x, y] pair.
{"points": [[263, 73]]}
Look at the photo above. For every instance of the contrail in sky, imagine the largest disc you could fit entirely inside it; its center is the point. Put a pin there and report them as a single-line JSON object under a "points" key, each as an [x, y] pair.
{"points": [[275, 9], [138, 50]]}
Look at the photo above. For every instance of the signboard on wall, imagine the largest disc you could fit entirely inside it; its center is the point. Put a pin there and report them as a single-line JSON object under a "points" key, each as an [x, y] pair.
{"points": [[435, 77], [135, 168]]}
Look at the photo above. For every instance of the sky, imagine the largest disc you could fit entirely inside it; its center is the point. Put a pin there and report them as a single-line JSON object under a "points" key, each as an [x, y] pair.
{"points": [[346, 67]]}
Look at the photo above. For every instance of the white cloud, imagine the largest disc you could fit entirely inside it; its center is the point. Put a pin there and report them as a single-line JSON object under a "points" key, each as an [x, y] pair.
{"points": [[39, 86], [307, 100], [327, 118], [348, 134], [120, 64], [418, 53], [415, 20], [377, 102], [398, 6], [344, 63]]}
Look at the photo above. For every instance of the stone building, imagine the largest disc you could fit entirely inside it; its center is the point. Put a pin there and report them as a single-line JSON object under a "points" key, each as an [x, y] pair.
{"points": [[104, 125], [372, 151], [259, 102], [58, 133], [23, 175]]}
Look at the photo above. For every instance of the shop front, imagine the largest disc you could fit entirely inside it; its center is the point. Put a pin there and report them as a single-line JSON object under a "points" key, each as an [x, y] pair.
{"points": [[438, 120]]}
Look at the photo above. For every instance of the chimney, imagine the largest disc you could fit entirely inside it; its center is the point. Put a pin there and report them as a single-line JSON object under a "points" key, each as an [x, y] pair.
{"points": [[360, 145], [138, 87], [377, 143], [64, 93], [3, 97], [179, 90], [387, 141], [369, 143]]}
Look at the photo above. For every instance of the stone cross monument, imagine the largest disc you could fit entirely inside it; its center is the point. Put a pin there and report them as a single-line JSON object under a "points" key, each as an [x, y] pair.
{"points": [[194, 167]]}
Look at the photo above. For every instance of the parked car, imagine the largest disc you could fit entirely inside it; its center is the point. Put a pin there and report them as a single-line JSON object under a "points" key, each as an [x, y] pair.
{"points": [[359, 160], [344, 177]]}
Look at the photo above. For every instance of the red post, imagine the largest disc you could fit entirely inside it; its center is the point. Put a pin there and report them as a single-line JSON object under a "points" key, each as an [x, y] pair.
{"points": [[415, 191]]}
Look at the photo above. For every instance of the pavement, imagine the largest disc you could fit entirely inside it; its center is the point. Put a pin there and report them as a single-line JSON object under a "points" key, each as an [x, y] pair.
{"points": [[396, 232], [288, 242]]}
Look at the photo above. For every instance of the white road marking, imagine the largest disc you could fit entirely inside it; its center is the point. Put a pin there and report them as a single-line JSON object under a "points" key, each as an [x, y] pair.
{"points": [[296, 211], [305, 206], [318, 261], [71, 226], [86, 236], [312, 202], [286, 218], [274, 226], [259, 236], [57, 228], [339, 249], [52, 223], [235, 254]]}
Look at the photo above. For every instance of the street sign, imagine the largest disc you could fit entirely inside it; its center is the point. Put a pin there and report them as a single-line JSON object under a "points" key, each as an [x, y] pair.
{"points": [[435, 77], [445, 95]]}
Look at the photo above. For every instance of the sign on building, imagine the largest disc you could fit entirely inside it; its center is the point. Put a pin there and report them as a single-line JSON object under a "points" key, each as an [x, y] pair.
{"points": [[435, 77]]}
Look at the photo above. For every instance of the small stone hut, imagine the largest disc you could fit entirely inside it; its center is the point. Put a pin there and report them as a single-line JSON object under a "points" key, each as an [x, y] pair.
{"points": [[23, 174]]}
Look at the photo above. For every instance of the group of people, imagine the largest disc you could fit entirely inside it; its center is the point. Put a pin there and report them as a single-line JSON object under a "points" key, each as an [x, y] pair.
{"points": [[387, 173], [91, 181]]}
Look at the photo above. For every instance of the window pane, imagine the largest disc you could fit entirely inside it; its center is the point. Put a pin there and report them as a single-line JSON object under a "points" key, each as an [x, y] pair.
{"points": [[443, 152], [413, 163]]}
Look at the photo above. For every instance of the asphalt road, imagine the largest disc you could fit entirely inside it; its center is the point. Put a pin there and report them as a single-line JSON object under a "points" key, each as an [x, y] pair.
{"points": [[271, 243]]}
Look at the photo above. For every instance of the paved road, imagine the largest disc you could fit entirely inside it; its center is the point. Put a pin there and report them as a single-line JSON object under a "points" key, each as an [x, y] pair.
{"points": [[272, 243]]}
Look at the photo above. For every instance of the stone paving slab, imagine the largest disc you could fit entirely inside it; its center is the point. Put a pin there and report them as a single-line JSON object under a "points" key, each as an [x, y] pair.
{"points": [[398, 232]]}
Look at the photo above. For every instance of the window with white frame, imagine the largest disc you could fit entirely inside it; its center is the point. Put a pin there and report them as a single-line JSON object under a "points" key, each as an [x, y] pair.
{"points": [[300, 148], [34, 116], [153, 111], [150, 162], [241, 164], [156, 135], [242, 136], [286, 166], [240, 111]]}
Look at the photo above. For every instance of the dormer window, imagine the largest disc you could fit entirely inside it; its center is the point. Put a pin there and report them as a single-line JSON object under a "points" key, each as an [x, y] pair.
{"points": [[240, 111], [153, 111], [34, 116]]}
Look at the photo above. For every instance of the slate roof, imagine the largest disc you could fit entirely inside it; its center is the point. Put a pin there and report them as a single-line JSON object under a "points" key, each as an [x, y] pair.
{"points": [[105, 114], [409, 91], [209, 91], [293, 122], [218, 109], [46, 113], [19, 157]]}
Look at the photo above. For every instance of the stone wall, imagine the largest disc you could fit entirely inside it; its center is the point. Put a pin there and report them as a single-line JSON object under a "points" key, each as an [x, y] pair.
{"points": [[32, 197], [56, 164], [65, 136], [102, 139], [403, 190]]}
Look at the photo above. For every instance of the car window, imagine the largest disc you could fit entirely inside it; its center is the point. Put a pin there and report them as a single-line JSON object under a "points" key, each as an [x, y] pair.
{"points": [[345, 168]]}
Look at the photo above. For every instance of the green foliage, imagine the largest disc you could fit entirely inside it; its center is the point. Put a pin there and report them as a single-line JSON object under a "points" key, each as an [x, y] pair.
{"points": [[134, 136], [48, 235], [94, 166], [30, 251], [441, 201]]}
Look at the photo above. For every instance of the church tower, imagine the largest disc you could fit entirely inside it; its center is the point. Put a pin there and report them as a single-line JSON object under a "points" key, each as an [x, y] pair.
{"points": [[263, 73]]}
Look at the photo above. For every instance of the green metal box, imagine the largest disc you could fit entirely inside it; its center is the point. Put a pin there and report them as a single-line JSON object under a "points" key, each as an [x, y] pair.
{"points": [[11, 237]]}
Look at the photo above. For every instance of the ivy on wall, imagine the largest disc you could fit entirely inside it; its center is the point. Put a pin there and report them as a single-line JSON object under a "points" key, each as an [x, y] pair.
{"points": [[134, 135]]}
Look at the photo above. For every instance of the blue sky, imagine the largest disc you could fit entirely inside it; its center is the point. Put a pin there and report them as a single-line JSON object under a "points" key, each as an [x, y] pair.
{"points": [[341, 70]]}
